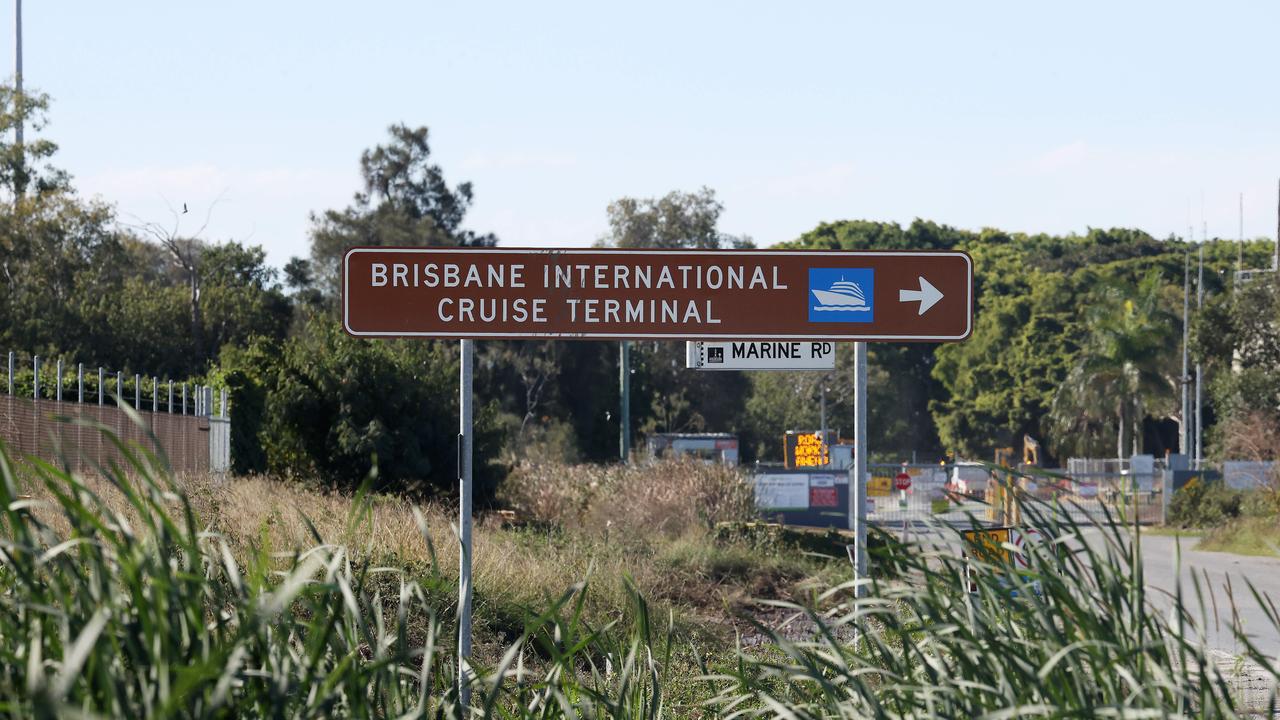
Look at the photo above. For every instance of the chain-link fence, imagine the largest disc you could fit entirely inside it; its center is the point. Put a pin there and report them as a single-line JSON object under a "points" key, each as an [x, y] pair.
{"points": [[954, 493]]}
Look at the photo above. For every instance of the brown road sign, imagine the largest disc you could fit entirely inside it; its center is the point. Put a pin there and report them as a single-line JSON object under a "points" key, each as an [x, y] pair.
{"points": [[657, 294]]}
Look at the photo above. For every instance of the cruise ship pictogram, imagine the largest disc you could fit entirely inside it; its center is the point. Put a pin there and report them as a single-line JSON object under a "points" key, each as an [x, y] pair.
{"points": [[842, 296]]}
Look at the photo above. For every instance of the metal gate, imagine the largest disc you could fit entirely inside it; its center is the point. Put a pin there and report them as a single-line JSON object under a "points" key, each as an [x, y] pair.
{"points": [[932, 496], [220, 444]]}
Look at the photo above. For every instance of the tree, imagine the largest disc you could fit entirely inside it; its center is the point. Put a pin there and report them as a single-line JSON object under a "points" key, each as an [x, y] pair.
{"points": [[1125, 371], [340, 408], [675, 220], [26, 167], [187, 251], [404, 201]]}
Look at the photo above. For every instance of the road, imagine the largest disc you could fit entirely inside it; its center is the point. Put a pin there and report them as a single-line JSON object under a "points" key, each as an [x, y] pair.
{"points": [[1212, 569], [1215, 570]]}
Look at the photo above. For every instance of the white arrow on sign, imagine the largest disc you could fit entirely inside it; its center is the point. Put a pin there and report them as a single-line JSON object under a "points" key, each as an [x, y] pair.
{"points": [[927, 295]]}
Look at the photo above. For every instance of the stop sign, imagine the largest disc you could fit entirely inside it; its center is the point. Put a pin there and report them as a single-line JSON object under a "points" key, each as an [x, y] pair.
{"points": [[902, 481]]}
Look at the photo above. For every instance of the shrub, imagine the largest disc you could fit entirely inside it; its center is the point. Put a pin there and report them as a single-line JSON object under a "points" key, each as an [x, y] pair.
{"points": [[1201, 504], [338, 405]]}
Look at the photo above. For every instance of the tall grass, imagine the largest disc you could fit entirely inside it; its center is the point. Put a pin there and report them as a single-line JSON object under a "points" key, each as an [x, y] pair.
{"points": [[1063, 628], [135, 609]]}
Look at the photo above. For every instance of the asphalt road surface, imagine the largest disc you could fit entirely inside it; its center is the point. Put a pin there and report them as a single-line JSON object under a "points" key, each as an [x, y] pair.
{"points": [[1215, 570], [1222, 578]]}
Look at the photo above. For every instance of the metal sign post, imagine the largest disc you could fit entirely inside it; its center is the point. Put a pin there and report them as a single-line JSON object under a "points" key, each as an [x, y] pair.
{"points": [[465, 448], [624, 391], [858, 513]]}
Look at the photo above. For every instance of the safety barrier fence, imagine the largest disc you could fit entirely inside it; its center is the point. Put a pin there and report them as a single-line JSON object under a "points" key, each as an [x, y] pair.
{"points": [[58, 421]]}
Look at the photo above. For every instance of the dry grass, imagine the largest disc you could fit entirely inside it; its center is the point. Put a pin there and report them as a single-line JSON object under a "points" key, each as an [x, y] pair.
{"points": [[669, 497], [600, 523]]}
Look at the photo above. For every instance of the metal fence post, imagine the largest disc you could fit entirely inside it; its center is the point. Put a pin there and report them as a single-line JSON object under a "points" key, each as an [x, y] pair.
{"points": [[184, 398], [10, 372], [35, 377], [80, 382], [155, 388], [170, 397], [119, 387], [58, 393], [137, 391], [1166, 492], [102, 383]]}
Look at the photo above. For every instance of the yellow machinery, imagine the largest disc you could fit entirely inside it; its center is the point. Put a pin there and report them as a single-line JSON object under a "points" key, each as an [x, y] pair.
{"points": [[999, 499], [1030, 451], [1002, 507]]}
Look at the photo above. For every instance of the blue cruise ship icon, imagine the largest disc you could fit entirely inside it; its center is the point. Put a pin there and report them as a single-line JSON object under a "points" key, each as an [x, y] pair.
{"points": [[842, 296]]}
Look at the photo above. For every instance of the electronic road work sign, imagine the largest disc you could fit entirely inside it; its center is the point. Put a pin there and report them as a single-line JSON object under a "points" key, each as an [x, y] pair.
{"points": [[657, 294]]}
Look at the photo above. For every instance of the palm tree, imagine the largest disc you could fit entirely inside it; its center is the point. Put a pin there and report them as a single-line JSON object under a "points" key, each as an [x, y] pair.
{"points": [[1125, 370]]}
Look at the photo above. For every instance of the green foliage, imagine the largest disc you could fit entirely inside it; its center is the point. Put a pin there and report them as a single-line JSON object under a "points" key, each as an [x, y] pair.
{"points": [[248, 374], [21, 168], [1204, 504], [405, 201], [339, 407], [675, 220], [1124, 371]]}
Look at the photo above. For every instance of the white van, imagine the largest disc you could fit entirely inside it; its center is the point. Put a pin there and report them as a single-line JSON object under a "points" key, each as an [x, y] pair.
{"points": [[968, 478]]}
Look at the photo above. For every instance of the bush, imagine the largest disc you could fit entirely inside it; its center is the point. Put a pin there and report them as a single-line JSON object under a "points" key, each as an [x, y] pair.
{"points": [[1201, 504], [337, 405]]}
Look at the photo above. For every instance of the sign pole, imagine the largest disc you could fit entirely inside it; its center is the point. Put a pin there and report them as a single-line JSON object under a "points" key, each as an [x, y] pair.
{"points": [[624, 389], [859, 511], [465, 448]]}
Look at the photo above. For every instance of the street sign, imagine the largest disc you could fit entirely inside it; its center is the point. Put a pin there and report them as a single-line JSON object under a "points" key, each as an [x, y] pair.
{"points": [[760, 355], [657, 294], [991, 546], [902, 481]]}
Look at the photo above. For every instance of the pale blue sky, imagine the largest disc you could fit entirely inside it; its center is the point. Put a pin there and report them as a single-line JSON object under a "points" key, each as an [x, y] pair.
{"points": [[1021, 115]]}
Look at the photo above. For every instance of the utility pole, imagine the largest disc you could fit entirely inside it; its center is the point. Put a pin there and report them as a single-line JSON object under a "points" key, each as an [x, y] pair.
{"points": [[822, 417], [1185, 445], [624, 390], [19, 101], [1199, 367]]}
